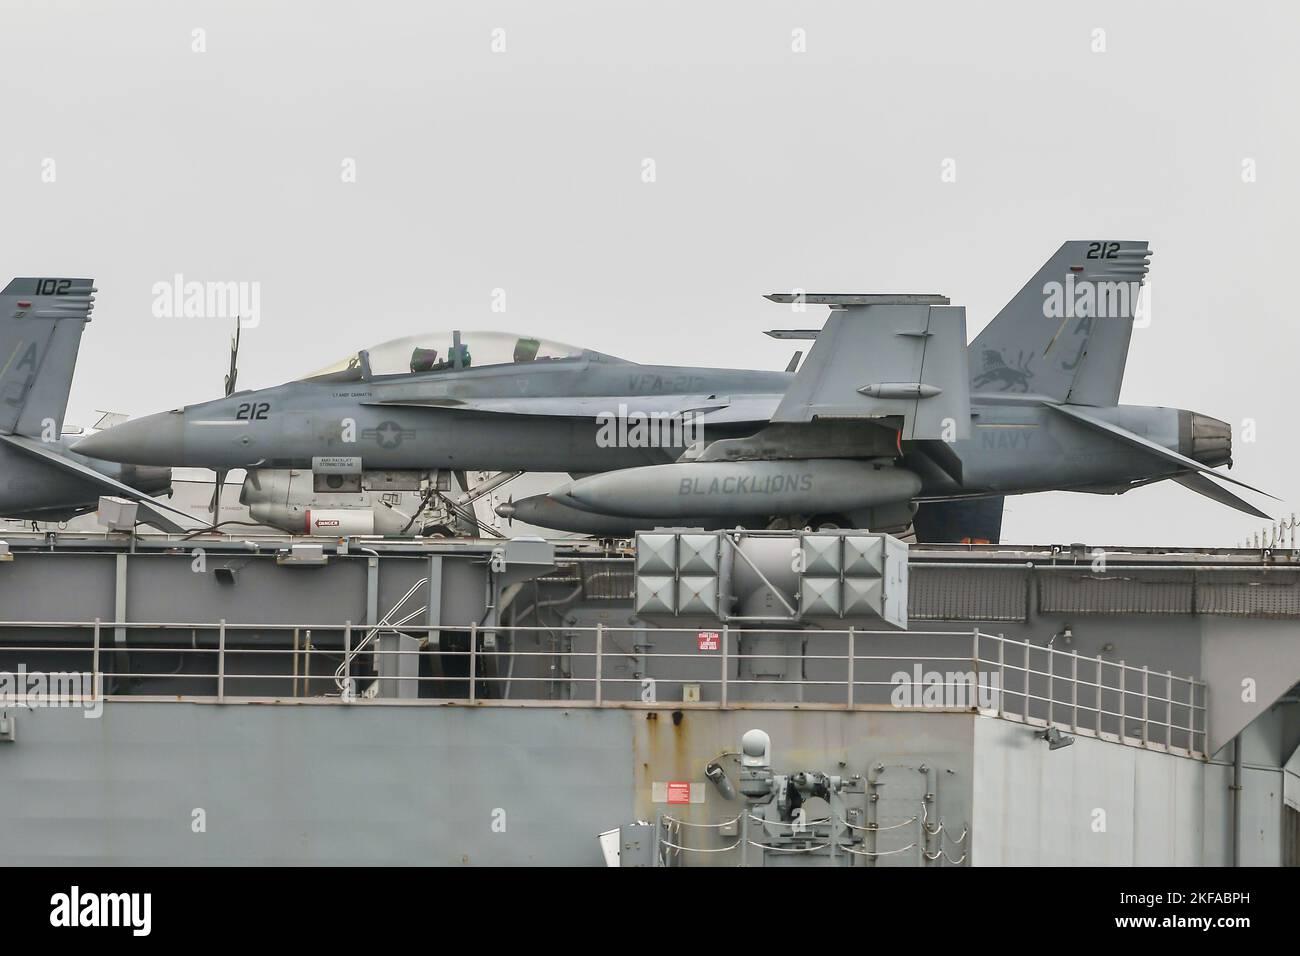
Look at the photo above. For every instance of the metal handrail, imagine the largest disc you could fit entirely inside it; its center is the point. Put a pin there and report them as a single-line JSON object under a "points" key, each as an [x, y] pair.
{"points": [[1042, 694], [385, 624]]}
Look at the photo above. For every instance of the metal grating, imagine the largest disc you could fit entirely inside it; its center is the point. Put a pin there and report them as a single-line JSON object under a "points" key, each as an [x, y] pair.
{"points": [[1088, 593], [1237, 594], [967, 594], [608, 580], [1250, 594]]}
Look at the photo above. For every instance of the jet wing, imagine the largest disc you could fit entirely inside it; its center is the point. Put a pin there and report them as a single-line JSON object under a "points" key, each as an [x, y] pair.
{"points": [[898, 357], [1159, 451], [155, 513], [744, 410]]}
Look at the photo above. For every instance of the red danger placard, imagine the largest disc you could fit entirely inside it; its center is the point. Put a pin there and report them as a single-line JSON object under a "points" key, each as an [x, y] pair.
{"points": [[679, 791], [710, 641]]}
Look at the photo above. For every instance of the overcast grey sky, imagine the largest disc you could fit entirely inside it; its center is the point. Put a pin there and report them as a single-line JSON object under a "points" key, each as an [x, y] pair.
{"points": [[775, 169]]}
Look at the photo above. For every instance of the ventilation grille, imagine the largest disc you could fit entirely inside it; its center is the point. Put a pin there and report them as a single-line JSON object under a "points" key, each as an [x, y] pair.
{"points": [[967, 594], [1086, 593]]}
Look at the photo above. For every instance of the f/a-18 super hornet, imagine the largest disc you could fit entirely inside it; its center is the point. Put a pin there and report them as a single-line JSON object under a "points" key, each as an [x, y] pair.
{"points": [[41, 478], [891, 410]]}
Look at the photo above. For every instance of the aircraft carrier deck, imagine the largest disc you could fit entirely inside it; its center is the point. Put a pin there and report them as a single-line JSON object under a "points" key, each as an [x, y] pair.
{"points": [[228, 699]]}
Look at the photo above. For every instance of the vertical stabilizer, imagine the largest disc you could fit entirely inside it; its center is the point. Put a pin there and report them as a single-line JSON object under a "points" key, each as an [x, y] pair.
{"points": [[41, 321], [1065, 335]]}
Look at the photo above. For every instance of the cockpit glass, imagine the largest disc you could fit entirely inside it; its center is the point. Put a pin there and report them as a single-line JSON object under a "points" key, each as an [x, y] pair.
{"points": [[446, 351]]}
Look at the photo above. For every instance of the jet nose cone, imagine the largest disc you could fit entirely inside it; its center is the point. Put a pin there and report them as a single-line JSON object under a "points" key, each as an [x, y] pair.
{"points": [[152, 440]]}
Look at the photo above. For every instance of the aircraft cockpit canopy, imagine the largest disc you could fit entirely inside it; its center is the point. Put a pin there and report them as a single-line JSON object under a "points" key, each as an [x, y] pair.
{"points": [[448, 351]]}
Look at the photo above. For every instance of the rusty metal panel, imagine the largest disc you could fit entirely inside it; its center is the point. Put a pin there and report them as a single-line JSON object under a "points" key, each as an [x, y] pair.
{"points": [[1084, 592], [1249, 594], [967, 594]]}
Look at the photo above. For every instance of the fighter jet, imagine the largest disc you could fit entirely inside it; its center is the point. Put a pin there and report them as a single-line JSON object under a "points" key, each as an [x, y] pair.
{"points": [[891, 410], [41, 478]]}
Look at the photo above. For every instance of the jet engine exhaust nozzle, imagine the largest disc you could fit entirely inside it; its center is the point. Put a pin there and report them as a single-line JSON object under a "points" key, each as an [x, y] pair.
{"points": [[1204, 439]]}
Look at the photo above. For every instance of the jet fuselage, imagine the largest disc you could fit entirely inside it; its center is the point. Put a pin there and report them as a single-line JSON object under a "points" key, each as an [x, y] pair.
{"points": [[557, 417]]}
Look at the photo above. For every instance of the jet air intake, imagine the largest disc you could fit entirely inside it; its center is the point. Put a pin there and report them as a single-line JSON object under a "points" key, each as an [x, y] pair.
{"points": [[742, 489]]}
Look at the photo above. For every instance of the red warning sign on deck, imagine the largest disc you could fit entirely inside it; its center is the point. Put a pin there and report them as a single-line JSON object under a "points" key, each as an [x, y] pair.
{"points": [[679, 791], [710, 640]]}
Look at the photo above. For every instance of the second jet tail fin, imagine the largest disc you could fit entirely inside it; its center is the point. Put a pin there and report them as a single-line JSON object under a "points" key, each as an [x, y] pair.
{"points": [[41, 321], [1065, 335]]}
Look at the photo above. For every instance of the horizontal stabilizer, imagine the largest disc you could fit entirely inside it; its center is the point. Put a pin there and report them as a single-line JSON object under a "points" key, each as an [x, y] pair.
{"points": [[1204, 486], [154, 512], [1160, 451]]}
